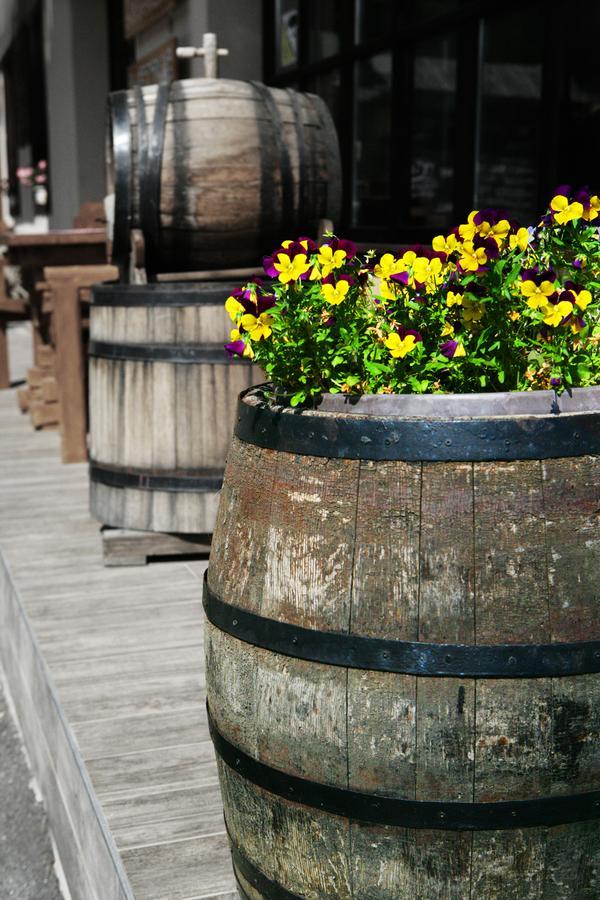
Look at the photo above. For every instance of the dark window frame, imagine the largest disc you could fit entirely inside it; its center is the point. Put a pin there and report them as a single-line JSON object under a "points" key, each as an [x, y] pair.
{"points": [[401, 41]]}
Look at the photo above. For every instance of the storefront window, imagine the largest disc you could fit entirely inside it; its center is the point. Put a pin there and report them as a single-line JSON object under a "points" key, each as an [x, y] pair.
{"points": [[432, 125], [327, 85], [374, 18], [329, 24], [509, 134], [372, 141], [579, 132]]}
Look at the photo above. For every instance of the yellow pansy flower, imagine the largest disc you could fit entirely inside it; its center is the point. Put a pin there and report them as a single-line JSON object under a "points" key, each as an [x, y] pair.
{"points": [[258, 327], [471, 258], [537, 295], [520, 240], [555, 314], [233, 307], [454, 299], [583, 299], [400, 347], [443, 244], [425, 269], [564, 211], [499, 231], [407, 260], [330, 259], [594, 209], [387, 266], [472, 310], [447, 329], [469, 229], [335, 293], [290, 269], [386, 291]]}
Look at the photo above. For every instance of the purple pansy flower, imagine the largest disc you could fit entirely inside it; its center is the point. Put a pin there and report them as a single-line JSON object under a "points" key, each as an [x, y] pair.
{"points": [[404, 332], [235, 348], [448, 349]]}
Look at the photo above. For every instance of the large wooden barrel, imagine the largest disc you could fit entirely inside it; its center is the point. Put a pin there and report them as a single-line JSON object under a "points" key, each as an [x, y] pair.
{"points": [[403, 648], [220, 171], [163, 398]]}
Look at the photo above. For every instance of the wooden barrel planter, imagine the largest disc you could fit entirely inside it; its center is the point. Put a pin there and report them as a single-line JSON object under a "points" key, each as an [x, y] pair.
{"points": [[163, 398], [403, 647], [220, 171]]}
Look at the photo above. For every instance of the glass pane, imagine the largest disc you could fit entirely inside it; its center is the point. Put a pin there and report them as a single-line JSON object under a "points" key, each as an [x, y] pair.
{"points": [[421, 10], [374, 18], [433, 124], [509, 141], [328, 86], [579, 135], [372, 151], [287, 31], [328, 25]]}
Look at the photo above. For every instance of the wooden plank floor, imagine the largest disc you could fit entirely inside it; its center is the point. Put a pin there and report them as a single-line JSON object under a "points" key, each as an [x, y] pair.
{"points": [[125, 651]]}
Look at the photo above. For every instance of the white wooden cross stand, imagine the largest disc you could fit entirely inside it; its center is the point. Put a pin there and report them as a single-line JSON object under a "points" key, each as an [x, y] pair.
{"points": [[209, 51]]}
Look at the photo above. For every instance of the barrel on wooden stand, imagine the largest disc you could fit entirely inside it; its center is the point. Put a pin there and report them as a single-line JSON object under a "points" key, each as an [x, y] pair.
{"points": [[162, 403], [403, 647], [217, 172]]}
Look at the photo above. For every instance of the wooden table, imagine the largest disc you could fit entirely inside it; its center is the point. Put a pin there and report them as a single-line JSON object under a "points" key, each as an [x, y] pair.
{"points": [[33, 252]]}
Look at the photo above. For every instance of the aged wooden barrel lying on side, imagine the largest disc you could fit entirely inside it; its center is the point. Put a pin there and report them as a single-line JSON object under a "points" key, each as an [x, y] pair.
{"points": [[163, 398], [220, 172], [403, 647]]}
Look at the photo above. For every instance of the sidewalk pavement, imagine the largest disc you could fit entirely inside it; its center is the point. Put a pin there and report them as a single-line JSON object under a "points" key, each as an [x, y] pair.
{"points": [[26, 857]]}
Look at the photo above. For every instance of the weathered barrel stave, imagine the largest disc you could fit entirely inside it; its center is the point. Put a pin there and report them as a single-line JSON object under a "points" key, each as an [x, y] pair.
{"points": [[242, 168], [486, 553], [155, 417]]}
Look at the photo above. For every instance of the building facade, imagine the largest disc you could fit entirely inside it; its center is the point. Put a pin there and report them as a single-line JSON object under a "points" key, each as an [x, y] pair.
{"points": [[440, 107]]}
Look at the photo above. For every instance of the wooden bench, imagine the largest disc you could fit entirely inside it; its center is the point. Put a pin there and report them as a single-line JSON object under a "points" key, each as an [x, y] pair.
{"points": [[67, 290]]}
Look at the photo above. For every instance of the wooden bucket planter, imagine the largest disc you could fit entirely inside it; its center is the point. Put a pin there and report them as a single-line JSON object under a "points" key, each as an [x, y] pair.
{"points": [[403, 647], [220, 171], [162, 403]]}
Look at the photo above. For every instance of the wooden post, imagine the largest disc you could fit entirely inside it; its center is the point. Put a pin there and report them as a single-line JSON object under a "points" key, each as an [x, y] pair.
{"points": [[4, 372], [209, 51], [69, 370], [65, 283]]}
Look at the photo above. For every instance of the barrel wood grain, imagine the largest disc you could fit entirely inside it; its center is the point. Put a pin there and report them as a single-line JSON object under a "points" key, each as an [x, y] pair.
{"points": [[225, 197], [161, 416], [443, 552]]}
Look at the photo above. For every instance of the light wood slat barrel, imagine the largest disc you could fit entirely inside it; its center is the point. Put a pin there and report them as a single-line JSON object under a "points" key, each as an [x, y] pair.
{"points": [[162, 403], [403, 647], [235, 167]]}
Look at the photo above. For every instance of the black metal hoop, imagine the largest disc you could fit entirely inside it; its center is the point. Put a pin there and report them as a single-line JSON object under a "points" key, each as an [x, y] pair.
{"points": [[270, 889], [407, 657], [212, 354], [151, 143], [120, 136], [144, 480], [167, 294], [308, 433], [381, 810]]}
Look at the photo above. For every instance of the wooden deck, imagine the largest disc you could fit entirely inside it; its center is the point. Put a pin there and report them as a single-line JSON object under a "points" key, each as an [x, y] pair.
{"points": [[113, 715]]}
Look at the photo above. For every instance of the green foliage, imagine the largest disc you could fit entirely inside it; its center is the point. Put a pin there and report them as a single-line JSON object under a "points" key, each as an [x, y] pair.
{"points": [[489, 307]]}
